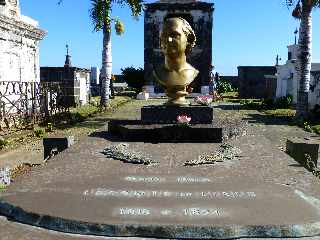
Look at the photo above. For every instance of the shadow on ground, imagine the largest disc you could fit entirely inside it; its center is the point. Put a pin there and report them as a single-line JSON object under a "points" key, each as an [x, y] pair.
{"points": [[267, 120]]}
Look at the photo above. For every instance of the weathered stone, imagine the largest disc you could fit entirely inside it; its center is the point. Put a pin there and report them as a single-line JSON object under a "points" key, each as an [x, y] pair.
{"points": [[55, 145], [303, 150], [166, 206], [169, 114], [135, 130], [258, 196]]}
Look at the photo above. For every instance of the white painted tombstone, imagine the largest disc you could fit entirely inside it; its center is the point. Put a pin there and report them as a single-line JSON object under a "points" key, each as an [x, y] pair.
{"points": [[143, 96]]}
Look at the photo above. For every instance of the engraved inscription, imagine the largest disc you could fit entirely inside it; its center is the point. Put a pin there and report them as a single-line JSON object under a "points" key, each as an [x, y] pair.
{"points": [[193, 180], [152, 179], [103, 192], [182, 212], [157, 179], [201, 212], [135, 211]]}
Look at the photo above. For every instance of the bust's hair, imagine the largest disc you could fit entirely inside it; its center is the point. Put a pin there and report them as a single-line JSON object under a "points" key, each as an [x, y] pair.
{"points": [[188, 31]]}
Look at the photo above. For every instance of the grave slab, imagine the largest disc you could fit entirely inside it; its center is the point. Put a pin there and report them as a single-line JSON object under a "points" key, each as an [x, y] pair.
{"points": [[86, 193]]}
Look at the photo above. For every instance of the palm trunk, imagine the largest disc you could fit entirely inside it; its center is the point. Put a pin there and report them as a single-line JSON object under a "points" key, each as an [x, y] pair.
{"points": [[304, 59], [106, 68]]}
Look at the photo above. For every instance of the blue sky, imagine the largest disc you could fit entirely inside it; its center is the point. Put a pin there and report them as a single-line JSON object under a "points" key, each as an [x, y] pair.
{"points": [[247, 32]]}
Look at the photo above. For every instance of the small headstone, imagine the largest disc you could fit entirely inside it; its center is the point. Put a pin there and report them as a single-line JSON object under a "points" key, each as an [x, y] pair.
{"points": [[303, 150], [149, 89], [54, 145], [143, 96]]}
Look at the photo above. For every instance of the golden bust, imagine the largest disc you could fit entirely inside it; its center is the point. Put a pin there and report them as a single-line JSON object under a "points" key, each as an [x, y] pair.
{"points": [[175, 75]]}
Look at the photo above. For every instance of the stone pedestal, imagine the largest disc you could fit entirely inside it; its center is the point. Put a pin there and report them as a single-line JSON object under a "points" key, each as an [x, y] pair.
{"points": [[301, 149], [169, 114], [57, 144]]}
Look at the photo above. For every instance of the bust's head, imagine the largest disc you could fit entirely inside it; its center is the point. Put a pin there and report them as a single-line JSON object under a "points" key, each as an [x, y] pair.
{"points": [[177, 37]]}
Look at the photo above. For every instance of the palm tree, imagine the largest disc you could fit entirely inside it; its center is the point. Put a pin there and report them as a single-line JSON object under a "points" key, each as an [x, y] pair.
{"points": [[101, 17], [302, 11], [100, 14]]}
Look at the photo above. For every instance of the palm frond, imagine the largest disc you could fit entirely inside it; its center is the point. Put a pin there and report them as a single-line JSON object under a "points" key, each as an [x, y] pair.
{"points": [[136, 6], [100, 13]]}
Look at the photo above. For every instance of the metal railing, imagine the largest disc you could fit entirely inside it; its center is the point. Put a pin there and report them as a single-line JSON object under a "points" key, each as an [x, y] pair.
{"points": [[29, 101]]}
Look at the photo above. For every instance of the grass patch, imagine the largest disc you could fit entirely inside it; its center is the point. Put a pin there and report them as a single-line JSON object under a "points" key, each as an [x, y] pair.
{"points": [[316, 129], [63, 121], [2, 187], [39, 132], [280, 113], [230, 95], [80, 114], [4, 143]]}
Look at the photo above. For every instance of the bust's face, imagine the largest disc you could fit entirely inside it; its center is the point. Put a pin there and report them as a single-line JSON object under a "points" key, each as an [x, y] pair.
{"points": [[173, 39]]}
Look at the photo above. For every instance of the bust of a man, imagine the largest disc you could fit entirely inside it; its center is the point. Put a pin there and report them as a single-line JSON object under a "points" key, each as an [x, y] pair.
{"points": [[175, 75]]}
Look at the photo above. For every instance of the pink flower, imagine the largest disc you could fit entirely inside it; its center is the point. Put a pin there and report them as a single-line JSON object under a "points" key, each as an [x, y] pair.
{"points": [[184, 119], [204, 100]]}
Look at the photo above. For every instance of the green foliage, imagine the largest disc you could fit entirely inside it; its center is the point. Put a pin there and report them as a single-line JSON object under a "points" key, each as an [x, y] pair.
{"points": [[2, 187], [281, 113], [280, 103], [311, 166], [307, 126], [134, 77], [101, 9], [268, 103], [251, 104], [303, 123], [49, 127], [283, 102], [316, 129], [3, 143], [100, 13], [224, 87], [39, 132]]}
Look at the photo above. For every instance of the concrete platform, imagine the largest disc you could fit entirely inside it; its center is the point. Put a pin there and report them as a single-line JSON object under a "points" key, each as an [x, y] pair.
{"points": [[261, 194]]}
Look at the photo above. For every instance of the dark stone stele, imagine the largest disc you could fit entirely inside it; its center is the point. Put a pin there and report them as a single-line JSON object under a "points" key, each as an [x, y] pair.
{"points": [[169, 114]]}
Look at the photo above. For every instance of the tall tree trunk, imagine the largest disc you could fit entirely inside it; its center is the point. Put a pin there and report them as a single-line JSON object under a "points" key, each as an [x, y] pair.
{"points": [[106, 69], [304, 59]]}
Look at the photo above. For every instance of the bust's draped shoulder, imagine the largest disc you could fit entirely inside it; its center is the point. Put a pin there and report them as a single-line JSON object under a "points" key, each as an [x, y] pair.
{"points": [[184, 77]]}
